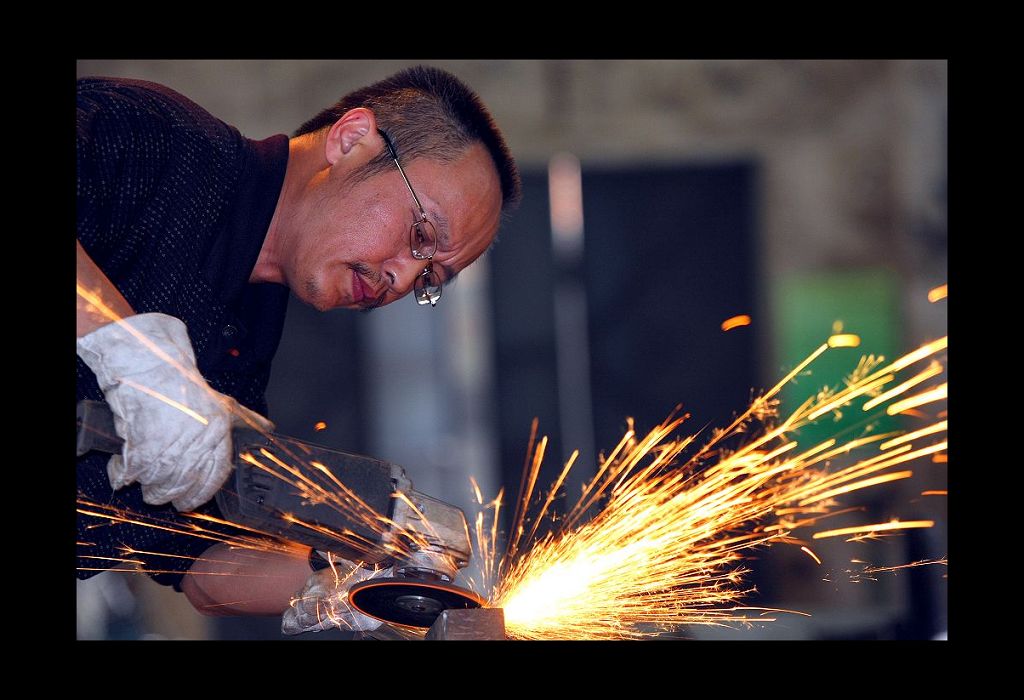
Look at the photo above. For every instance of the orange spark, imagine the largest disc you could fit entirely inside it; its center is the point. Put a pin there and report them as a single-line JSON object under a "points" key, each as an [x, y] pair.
{"points": [[811, 554], [877, 527], [912, 565], [934, 493], [934, 369], [843, 397], [792, 373], [735, 322], [476, 490], [846, 448], [909, 437], [843, 340], [857, 486], [328, 490], [919, 354], [653, 544], [118, 559], [419, 514], [112, 514], [936, 394], [167, 400], [95, 300], [320, 426], [940, 458], [938, 293]]}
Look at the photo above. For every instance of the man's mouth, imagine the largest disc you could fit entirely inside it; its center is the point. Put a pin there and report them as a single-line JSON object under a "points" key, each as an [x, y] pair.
{"points": [[358, 289], [363, 294]]}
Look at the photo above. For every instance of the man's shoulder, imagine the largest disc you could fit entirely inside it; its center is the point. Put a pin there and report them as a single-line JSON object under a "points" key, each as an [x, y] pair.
{"points": [[143, 93], [110, 108]]}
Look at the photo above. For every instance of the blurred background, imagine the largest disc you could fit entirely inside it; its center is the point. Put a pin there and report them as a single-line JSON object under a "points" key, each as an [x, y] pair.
{"points": [[661, 198]]}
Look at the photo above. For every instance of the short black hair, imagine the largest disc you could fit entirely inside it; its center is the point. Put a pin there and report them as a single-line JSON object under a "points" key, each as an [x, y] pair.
{"points": [[427, 112]]}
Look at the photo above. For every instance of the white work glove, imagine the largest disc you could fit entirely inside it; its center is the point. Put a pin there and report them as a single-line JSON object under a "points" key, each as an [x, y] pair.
{"points": [[171, 452], [323, 602]]}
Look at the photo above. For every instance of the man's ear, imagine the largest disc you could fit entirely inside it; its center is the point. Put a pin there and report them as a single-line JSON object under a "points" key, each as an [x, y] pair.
{"points": [[352, 128]]}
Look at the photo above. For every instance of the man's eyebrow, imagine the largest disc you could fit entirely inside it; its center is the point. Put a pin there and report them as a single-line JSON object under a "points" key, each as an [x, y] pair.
{"points": [[444, 238], [444, 243]]}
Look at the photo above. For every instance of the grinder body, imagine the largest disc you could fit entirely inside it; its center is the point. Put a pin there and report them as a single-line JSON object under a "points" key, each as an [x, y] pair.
{"points": [[430, 537]]}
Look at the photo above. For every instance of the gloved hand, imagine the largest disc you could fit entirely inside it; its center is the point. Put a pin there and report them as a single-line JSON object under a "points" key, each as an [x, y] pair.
{"points": [[323, 602], [177, 455]]}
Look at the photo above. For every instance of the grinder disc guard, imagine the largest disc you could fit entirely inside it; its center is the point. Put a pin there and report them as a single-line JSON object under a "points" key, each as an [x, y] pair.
{"points": [[408, 602]]}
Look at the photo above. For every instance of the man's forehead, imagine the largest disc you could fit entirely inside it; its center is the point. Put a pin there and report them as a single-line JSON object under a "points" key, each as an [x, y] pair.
{"points": [[469, 186]]}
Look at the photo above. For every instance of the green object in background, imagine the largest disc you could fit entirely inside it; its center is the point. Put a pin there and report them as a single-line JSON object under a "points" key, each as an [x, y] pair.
{"points": [[808, 309]]}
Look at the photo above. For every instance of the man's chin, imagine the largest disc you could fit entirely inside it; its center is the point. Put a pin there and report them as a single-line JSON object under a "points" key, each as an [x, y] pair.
{"points": [[320, 303], [317, 303], [312, 295]]}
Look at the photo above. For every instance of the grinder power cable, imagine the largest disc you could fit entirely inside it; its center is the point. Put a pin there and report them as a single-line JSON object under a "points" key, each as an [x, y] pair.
{"points": [[432, 535]]}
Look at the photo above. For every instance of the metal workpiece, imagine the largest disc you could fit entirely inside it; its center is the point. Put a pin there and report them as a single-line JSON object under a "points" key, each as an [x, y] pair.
{"points": [[481, 624]]}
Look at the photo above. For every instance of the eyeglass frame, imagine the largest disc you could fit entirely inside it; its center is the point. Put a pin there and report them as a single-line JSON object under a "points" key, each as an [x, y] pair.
{"points": [[421, 294]]}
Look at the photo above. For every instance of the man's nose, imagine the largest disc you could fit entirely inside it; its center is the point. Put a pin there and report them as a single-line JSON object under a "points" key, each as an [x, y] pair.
{"points": [[402, 273]]}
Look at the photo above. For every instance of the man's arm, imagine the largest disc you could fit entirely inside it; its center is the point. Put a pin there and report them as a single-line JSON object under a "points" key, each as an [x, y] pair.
{"points": [[232, 581], [91, 278], [176, 428]]}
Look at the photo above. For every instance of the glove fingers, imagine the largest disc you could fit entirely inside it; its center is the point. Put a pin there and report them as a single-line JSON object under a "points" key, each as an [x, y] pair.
{"points": [[320, 614], [212, 457], [209, 465], [117, 473], [290, 624], [298, 619], [205, 486], [323, 602], [163, 478], [185, 493], [207, 480], [188, 469]]}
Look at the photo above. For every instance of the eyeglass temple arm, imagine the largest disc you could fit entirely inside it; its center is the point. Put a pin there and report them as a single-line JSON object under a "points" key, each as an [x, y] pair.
{"points": [[394, 157]]}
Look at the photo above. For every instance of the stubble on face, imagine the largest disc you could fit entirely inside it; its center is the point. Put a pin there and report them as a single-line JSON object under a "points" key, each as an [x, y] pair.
{"points": [[311, 294], [315, 291]]}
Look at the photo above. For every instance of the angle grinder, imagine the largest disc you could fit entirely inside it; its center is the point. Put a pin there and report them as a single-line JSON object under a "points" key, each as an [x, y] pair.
{"points": [[274, 489]]}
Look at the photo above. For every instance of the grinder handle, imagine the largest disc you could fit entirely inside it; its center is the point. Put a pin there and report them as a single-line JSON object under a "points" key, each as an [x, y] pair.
{"points": [[96, 430]]}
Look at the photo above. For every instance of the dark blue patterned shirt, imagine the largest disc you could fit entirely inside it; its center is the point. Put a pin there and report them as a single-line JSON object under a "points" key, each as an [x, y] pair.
{"points": [[173, 205]]}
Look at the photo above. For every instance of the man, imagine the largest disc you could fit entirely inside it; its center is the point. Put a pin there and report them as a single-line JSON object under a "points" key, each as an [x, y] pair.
{"points": [[194, 235]]}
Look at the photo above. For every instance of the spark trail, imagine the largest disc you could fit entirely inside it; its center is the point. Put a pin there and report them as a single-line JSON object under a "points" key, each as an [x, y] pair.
{"points": [[656, 541]]}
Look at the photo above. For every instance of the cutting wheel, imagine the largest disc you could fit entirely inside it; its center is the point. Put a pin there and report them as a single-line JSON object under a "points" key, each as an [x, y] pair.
{"points": [[410, 603]]}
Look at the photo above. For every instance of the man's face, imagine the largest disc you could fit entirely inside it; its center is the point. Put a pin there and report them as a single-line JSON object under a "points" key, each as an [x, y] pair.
{"points": [[351, 245]]}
